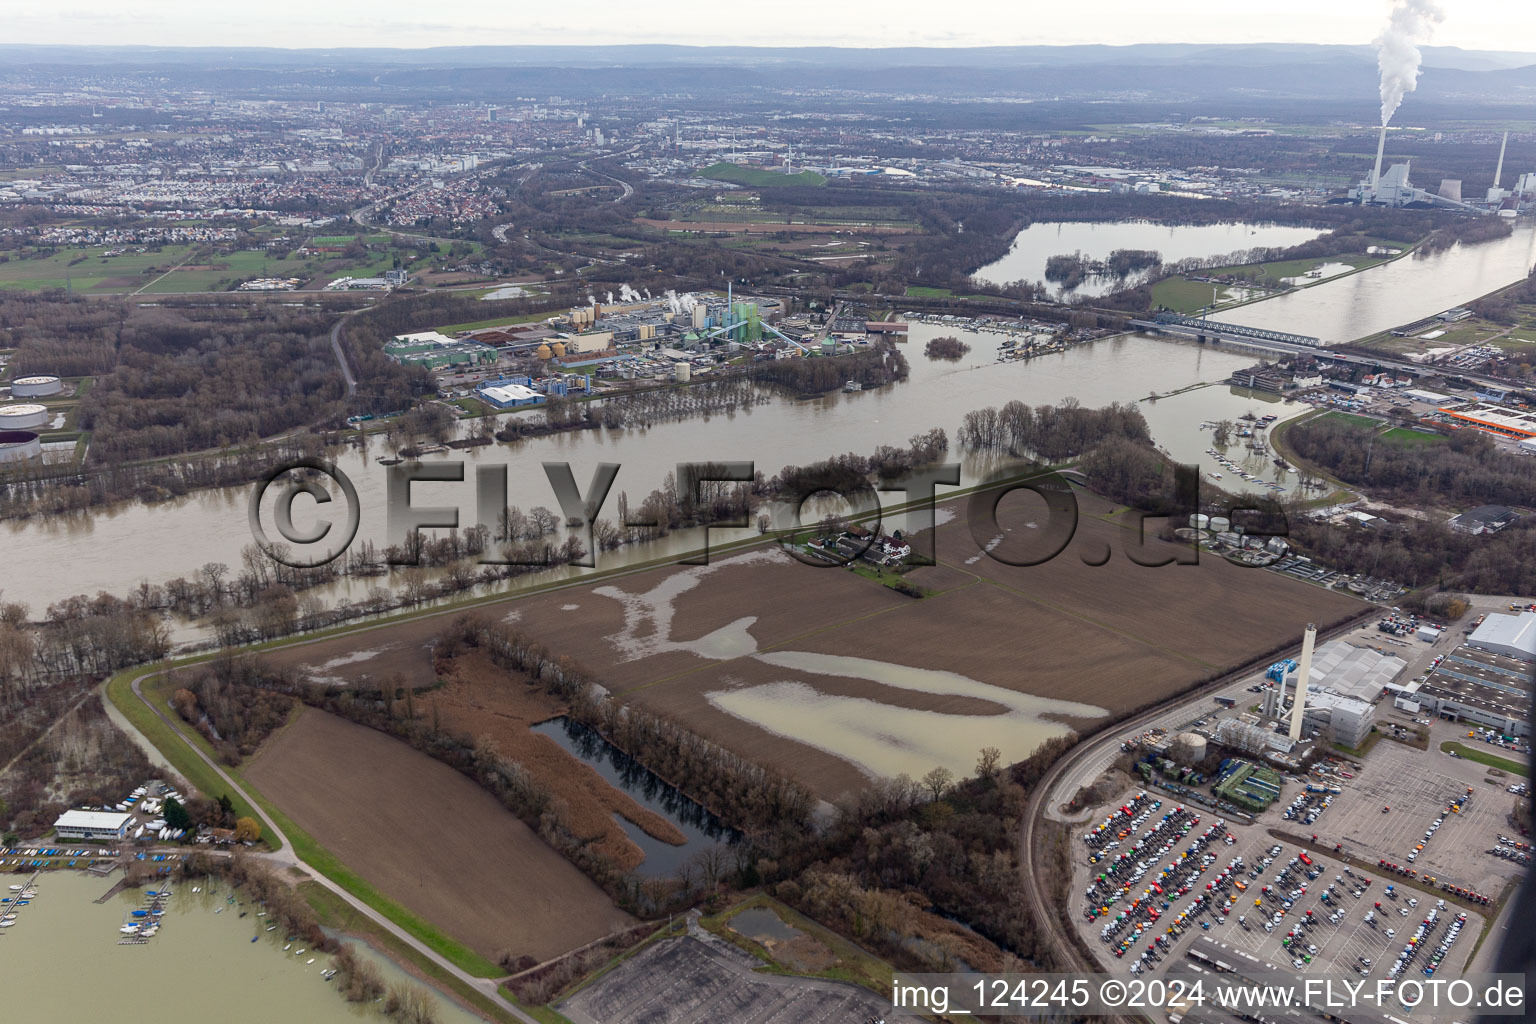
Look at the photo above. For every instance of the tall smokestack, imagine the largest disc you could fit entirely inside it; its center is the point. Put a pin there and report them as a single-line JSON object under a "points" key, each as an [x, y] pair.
{"points": [[1381, 145], [1303, 674], [1498, 174]]}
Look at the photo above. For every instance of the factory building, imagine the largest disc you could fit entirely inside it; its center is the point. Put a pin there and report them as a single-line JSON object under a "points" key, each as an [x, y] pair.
{"points": [[1361, 673], [507, 395], [1512, 636], [1478, 686], [1341, 720], [434, 350], [1484, 519]]}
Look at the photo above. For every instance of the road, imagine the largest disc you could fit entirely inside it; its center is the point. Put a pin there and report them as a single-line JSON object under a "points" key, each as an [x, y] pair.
{"points": [[341, 357], [286, 857]]}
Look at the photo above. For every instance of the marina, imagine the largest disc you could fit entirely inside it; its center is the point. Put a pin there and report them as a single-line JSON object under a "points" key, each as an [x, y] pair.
{"points": [[219, 971]]}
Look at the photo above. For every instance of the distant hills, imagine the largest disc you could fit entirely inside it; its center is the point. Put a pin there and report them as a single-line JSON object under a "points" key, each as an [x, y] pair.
{"points": [[1142, 73]]}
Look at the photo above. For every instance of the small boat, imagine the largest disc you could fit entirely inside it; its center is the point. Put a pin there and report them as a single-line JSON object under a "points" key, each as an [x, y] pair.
{"points": [[16, 888], [271, 927], [298, 952], [197, 888], [255, 937], [129, 929], [8, 917], [390, 460], [140, 913], [328, 974], [218, 910], [309, 961], [285, 948]]}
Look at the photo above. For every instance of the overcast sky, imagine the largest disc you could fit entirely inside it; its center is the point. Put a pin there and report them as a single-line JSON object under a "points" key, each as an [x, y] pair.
{"points": [[1473, 24]]}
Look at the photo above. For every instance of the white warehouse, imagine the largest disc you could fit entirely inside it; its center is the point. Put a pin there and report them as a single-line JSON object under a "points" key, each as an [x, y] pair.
{"points": [[92, 825]]}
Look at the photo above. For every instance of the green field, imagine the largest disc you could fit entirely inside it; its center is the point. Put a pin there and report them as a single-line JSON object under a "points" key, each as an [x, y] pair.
{"points": [[759, 177], [1411, 438], [1504, 764], [1351, 419], [86, 270], [1297, 268], [1183, 295]]}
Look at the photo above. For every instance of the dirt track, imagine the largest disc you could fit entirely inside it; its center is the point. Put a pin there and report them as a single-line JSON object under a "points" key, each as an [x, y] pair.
{"points": [[430, 839]]}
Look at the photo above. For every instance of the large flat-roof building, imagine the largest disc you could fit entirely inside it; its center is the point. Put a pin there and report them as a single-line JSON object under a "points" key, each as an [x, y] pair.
{"points": [[1513, 636], [1358, 672], [1477, 686], [92, 825], [1494, 419]]}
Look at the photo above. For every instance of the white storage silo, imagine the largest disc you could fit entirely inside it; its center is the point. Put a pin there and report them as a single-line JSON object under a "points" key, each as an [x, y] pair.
{"points": [[1220, 524], [40, 386], [22, 416], [1200, 521]]}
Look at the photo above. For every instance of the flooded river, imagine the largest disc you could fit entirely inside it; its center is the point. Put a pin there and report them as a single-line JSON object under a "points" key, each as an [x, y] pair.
{"points": [[1395, 293], [1025, 259], [114, 550], [61, 961]]}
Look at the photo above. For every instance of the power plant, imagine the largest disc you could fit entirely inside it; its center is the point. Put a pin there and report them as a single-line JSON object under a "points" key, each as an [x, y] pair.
{"points": [[1393, 188]]}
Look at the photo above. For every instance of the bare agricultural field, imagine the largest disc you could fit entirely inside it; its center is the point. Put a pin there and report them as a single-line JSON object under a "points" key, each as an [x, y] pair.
{"points": [[430, 839], [836, 679]]}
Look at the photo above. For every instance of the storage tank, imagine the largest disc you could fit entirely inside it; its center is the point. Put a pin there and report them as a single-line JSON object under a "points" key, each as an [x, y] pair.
{"points": [[543, 351], [39, 386], [682, 372], [22, 416], [1220, 523], [557, 349], [19, 445], [1194, 742], [1200, 521]]}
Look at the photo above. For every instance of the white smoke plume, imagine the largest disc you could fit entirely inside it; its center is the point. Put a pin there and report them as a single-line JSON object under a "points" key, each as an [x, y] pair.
{"points": [[628, 294], [1397, 50]]}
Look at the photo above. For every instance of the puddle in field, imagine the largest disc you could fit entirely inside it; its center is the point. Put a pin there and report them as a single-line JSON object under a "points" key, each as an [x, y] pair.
{"points": [[878, 738], [325, 672]]}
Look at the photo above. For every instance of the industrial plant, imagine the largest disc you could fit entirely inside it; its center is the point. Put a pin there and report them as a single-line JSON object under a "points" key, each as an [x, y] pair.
{"points": [[1394, 189]]}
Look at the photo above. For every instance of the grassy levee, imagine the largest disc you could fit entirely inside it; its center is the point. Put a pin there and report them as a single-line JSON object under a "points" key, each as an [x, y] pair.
{"points": [[1503, 764], [195, 770], [198, 773], [335, 912]]}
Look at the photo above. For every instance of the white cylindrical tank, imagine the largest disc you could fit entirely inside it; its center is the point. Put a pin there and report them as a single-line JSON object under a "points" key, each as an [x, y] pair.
{"points": [[20, 416], [40, 386], [1195, 742], [1200, 521], [682, 372], [19, 445], [1220, 523]]}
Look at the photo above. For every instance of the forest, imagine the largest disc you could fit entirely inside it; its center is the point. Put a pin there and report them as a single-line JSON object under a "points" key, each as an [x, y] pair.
{"points": [[1467, 471]]}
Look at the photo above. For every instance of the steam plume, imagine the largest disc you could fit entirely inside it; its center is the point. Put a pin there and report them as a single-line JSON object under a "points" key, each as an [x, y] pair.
{"points": [[1397, 50]]}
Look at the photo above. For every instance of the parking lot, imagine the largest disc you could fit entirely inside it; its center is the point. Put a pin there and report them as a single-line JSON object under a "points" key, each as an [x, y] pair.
{"points": [[1321, 917]]}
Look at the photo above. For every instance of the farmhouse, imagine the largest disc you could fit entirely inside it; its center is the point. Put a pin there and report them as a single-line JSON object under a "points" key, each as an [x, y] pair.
{"points": [[92, 825]]}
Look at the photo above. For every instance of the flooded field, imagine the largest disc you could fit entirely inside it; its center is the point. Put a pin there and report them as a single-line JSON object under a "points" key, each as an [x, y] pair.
{"points": [[1025, 259], [62, 962]]}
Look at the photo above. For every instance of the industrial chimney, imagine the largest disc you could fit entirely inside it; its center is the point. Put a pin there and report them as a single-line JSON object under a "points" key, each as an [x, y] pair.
{"points": [[1303, 674], [1498, 174], [1381, 145]]}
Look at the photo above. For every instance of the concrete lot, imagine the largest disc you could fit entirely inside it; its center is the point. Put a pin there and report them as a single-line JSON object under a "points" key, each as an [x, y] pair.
{"points": [[700, 978]]}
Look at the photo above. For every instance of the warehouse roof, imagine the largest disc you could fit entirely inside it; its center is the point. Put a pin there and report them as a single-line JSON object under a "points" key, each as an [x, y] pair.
{"points": [[1509, 631], [1358, 672], [92, 819]]}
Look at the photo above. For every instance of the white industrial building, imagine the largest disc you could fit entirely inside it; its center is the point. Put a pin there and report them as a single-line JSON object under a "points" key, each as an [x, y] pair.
{"points": [[1342, 720], [1474, 685], [92, 825], [1513, 636], [1349, 671]]}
